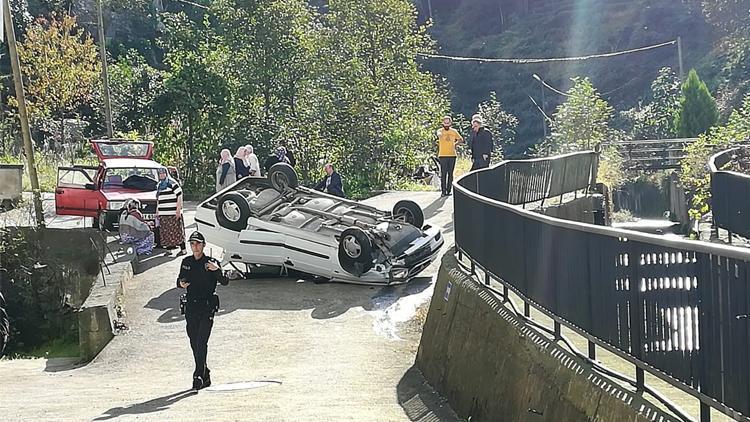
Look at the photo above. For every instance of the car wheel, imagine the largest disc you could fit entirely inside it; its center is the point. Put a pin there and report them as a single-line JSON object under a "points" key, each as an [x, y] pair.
{"points": [[409, 212], [232, 211], [4, 325], [355, 251], [282, 177]]}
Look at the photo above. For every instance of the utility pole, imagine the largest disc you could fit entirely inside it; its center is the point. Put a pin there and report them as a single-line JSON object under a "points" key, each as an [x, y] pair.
{"points": [[22, 114], [544, 117], [105, 75], [679, 56]]}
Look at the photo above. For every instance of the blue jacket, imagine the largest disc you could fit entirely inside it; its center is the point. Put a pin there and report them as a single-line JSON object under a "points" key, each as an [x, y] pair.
{"points": [[334, 186]]}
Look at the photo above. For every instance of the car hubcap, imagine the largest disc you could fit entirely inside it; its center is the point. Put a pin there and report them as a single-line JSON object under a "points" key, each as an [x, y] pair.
{"points": [[405, 215], [352, 247], [231, 211], [281, 180]]}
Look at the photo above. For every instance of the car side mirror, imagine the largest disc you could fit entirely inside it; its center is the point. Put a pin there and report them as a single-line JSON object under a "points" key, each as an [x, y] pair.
{"points": [[90, 186]]}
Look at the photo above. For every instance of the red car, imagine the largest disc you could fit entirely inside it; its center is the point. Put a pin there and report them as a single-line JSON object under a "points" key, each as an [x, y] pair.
{"points": [[125, 171]]}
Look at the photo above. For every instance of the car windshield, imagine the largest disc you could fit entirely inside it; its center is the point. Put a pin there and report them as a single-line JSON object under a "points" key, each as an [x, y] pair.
{"points": [[131, 177]]}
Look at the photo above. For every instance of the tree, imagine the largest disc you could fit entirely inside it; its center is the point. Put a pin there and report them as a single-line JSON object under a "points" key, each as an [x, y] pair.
{"points": [[698, 111], [582, 121], [61, 68], [694, 174], [732, 16], [501, 123], [655, 120], [134, 85]]}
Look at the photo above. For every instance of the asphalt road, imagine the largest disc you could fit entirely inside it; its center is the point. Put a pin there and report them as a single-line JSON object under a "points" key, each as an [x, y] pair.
{"points": [[281, 349]]}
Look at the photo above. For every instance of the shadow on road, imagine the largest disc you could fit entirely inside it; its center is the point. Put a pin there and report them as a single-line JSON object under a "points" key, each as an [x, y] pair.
{"points": [[420, 401], [151, 406], [327, 300], [434, 208]]}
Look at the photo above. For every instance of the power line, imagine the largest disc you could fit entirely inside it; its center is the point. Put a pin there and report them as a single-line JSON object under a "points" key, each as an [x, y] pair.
{"points": [[546, 60]]}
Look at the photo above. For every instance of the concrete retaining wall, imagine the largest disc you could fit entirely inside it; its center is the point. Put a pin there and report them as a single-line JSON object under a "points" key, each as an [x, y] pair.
{"points": [[96, 318], [582, 209], [492, 367]]}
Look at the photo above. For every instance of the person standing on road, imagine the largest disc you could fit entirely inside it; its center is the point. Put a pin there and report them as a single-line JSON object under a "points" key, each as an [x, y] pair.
{"points": [[331, 183], [199, 275], [169, 213], [239, 163], [480, 144], [225, 173], [448, 138], [251, 161]]}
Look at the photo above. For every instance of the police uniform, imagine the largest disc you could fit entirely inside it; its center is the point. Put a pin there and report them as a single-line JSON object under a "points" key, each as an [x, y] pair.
{"points": [[200, 304]]}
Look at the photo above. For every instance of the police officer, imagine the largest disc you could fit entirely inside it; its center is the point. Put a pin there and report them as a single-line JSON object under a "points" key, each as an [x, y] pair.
{"points": [[199, 275]]}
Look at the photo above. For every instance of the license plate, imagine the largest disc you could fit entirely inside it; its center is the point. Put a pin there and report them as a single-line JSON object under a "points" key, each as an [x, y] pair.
{"points": [[149, 216]]}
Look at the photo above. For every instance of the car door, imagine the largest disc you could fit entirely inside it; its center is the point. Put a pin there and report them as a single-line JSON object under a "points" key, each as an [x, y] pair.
{"points": [[77, 192]]}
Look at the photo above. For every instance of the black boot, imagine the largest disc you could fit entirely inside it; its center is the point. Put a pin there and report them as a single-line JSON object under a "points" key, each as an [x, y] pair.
{"points": [[197, 383], [207, 378]]}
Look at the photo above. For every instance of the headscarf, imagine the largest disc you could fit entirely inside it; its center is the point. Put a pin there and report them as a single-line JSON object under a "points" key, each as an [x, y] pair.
{"points": [[163, 183], [225, 157], [281, 154], [240, 153], [249, 149], [134, 205]]}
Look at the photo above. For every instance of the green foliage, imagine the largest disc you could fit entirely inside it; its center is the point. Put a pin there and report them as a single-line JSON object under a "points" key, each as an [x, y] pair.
{"points": [[655, 120], [501, 123], [732, 16], [36, 290], [60, 65], [339, 87], [582, 121], [133, 86], [698, 111], [694, 174]]}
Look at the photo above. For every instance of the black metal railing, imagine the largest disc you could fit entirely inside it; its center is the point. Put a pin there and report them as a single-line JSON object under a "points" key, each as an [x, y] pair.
{"points": [[524, 181], [677, 309], [730, 193]]}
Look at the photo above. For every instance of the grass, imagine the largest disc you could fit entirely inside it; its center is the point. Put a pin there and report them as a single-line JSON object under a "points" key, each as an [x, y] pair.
{"points": [[46, 168], [56, 348]]}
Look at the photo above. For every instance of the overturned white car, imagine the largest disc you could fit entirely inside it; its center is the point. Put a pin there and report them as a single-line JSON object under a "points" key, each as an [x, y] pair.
{"points": [[275, 222]]}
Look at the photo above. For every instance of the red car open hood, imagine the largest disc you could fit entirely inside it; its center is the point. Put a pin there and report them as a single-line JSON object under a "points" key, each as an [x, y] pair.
{"points": [[105, 149]]}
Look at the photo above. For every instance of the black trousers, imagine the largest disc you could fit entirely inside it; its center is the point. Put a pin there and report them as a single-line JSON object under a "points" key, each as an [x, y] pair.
{"points": [[447, 165], [479, 163], [200, 320]]}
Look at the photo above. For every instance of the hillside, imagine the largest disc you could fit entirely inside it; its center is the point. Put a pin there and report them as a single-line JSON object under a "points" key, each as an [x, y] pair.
{"points": [[521, 28]]}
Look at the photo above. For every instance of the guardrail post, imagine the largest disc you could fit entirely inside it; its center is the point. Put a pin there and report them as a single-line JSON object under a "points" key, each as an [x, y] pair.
{"points": [[636, 313]]}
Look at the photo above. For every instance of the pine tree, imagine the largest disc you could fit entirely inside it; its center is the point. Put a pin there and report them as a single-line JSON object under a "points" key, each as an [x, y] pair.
{"points": [[698, 111]]}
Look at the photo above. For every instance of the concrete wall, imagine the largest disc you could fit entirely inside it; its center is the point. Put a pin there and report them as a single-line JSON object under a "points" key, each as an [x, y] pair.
{"points": [[96, 317], [492, 367], [581, 209]]}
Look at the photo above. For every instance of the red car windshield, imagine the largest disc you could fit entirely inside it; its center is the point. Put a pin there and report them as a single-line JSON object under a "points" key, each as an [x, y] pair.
{"points": [[131, 178]]}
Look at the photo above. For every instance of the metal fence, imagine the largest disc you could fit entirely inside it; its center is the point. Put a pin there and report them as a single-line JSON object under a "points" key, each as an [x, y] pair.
{"points": [[730, 195], [677, 309]]}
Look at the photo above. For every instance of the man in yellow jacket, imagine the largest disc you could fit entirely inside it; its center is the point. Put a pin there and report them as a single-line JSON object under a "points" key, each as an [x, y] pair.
{"points": [[448, 138]]}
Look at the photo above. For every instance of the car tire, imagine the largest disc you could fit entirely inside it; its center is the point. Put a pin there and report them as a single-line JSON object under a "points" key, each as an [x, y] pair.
{"points": [[355, 251], [232, 211], [4, 325], [410, 212], [282, 177]]}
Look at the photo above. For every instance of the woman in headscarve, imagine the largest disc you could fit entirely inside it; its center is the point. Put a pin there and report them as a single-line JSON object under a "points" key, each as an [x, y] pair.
{"points": [[134, 229], [251, 161], [225, 172], [169, 213], [239, 163], [279, 156]]}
